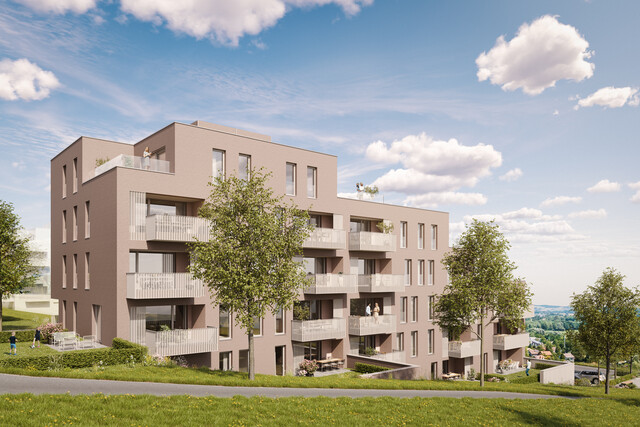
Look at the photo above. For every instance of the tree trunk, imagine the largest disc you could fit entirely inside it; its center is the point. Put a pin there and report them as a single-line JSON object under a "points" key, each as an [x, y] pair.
{"points": [[252, 374], [482, 367], [606, 375]]}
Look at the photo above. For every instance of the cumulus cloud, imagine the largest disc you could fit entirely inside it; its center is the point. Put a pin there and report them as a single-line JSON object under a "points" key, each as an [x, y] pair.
{"points": [[611, 97], [540, 54], [605, 186], [560, 200], [635, 186], [431, 200], [589, 214], [523, 213], [512, 175], [21, 79], [60, 6], [222, 20]]}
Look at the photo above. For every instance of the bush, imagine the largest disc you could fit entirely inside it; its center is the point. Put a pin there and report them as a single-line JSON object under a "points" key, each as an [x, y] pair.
{"points": [[531, 379], [584, 382], [488, 377], [47, 330], [542, 366], [365, 368], [21, 336]]}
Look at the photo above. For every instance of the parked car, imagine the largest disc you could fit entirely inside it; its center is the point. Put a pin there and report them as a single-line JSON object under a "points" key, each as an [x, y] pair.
{"points": [[592, 376]]}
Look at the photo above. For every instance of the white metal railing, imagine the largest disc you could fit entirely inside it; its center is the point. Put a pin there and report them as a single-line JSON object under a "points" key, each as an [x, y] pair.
{"points": [[177, 228], [445, 348], [510, 341], [326, 238], [369, 325], [133, 162], [368, 241], [163, 285], [393, 356], [182, 341], [381, 283], [333, 284], [464, 349], [316, 330]]}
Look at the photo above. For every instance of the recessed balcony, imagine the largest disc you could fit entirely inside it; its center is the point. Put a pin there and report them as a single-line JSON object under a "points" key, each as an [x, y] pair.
{"points": [[178, 342], [372, 242], [393, 356], [163, 285], [326, 238], [460, 349], [369, 325], [332, 284], [317, 330], [133, 162], [177, 228], [510, 341], [381, 283]]}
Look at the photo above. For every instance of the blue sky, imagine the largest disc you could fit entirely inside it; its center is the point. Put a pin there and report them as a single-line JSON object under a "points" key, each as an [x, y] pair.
{"points": [[526, 112]]}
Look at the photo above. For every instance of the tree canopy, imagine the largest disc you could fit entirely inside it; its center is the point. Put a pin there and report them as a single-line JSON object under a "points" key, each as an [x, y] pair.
{"points": [[16, 270], [481, 285], [248, 262]]}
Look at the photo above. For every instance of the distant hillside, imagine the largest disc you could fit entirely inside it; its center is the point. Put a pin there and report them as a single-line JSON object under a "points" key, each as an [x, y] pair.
{"points": [[541, 310]]}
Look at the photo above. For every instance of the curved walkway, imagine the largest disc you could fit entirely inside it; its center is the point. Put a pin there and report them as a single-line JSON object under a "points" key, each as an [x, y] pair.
{"points": [[46, 385]]}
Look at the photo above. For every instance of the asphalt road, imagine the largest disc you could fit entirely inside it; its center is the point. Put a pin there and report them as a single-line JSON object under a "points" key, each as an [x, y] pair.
{"points": [[44, 385]]}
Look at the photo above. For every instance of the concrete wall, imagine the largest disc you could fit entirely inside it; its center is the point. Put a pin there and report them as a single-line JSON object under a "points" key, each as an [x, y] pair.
{"points": [[561, 374]]}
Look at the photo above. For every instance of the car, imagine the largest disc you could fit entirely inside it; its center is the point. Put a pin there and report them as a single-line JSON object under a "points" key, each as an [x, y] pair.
{"points": [[592, 376]]}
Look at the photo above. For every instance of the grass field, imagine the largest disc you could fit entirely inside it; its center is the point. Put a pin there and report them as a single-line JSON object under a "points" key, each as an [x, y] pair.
{"points": [[25, 350], [18, 320], [27, 409]]}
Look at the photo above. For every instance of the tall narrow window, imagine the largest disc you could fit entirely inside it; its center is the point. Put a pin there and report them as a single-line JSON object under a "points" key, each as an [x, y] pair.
{"points": [[244, 166], [75, 271], [312, 174], [75, 223], [407, 272], [421, 272], [224, 322], [414, 309], [64, 181], [403, 310], [64, 226], [225, 361], [74, 318], [87, 271], [434, 237], [280, 321], [420, 236], [75, 175], [414, 343], [432, 301], [257, 326], [291, 179], [64, 271], [87, 220], [400, 341], [63, 314], [431, 340], [218, 165], [403, 234], [430, 274]]}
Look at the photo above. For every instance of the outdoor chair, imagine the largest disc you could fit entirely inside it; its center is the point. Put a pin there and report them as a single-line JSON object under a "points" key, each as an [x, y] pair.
{"points": [[88, 341]]}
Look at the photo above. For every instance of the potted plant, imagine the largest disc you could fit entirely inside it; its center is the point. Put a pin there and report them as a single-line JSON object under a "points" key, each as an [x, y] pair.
{"points": [[307, 368]]}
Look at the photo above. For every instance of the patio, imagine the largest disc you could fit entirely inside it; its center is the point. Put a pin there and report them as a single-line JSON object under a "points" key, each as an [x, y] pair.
{"points": [[66, 341]]}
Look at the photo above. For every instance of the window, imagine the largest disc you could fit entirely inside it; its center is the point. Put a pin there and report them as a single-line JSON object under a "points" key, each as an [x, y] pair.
{"points": [[87, 220], [244, 166], [224, 322], [414, 309], [311, 182], [87, 273], [64, 226], [96, 324], [400, 341], [407, 272], [75, 223], [430, 273], [421, 272], [64, 314], [64, 271], [151, 262], [166, 207], [403, 234], [225, 361], [218, 165], [257, 326], [74, 318], [420, 236], [432, 301], [434, 237], [75, 271], [243, 361], [431, 341], [291, 179], [64, 181], [75, 175], [403, 310], [280, 354], [312, 350], [414, 343], [280, 321]]}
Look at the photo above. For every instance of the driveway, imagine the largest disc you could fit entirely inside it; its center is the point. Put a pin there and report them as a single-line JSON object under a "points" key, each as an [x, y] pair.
{"points": [[45, 385]]}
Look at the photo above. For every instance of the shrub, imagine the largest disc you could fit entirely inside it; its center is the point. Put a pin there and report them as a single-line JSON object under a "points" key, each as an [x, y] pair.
{"points": [[531, 379], [542, 366], [365, 368], [491, 377], [584, 382], [47, 329], [309, 366]]}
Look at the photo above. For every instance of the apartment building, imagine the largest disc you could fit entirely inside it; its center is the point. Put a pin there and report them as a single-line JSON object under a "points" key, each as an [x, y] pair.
{"points": [[120, 223]]}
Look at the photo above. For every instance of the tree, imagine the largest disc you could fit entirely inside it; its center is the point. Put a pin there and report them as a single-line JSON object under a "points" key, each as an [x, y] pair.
{"points": [[608, 316], [16, 271], [481, 285], [248, 261]]}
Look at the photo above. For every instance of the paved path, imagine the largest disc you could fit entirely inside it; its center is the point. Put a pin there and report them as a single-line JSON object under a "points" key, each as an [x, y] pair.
{"points": [[46, 385]]}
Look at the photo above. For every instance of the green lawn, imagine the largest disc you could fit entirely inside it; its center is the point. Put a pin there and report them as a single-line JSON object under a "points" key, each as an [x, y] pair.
{"points": [[27, 409], [17, 320], [25, 350]]}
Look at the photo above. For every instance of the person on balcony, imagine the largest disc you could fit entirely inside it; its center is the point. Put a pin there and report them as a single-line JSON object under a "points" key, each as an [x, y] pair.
{"points": [[146, 158], [376, 312], [367, 311]]}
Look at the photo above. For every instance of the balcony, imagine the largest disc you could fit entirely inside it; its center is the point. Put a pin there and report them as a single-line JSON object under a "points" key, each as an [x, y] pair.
{"points": [[163, 285], [317, 330], [367, 325], [178, 342], [326, 238], [176, 228], [394, 356], [460, 350], [381, 283], [445, 348], [133, 162], [332, 284], [372, 242], [509, 342]]}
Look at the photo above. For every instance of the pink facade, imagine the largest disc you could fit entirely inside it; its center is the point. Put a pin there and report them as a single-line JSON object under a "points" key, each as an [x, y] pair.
{"points": [[119, 257]]}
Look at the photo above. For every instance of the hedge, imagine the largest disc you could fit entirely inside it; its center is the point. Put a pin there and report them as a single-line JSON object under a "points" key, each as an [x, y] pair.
{"points": [[365, 368], [121, 353], [542, 366], [531, 379], [24, 335]]}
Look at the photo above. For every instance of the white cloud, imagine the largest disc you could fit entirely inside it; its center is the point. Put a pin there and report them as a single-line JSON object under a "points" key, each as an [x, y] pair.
{"points": [[512, 175], [222, 20], [60, 6], [432, 200], [589, 214], [611, 97], [635, 186], [523, 213], [560, 200], [605, 186], [21, 79], [556, 112], [540, 54]]}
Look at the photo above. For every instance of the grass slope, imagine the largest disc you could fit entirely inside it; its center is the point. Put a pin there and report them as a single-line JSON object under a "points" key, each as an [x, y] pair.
{"points": [[18, 320]]}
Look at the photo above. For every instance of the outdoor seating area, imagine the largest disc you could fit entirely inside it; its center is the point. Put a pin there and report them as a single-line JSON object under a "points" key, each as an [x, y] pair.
{"points": [[508, 366], [63, 341], [330, 363], [451, 376]]}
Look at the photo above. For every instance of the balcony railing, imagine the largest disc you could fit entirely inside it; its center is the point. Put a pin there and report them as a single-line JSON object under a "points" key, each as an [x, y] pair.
{"points": [[332, 284], [374, 242], [394, 356], [326, 238], [445, 348], [177, 228], [381, 283], [316, 330], [461, 349], [163, 285], [509, 342], [369, 325], [177, 342], [133, 162]]}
